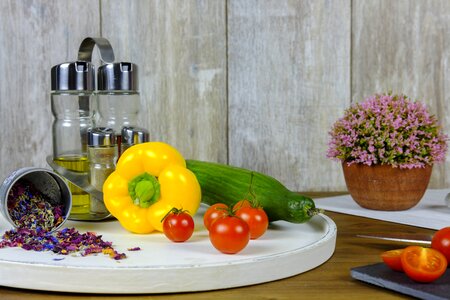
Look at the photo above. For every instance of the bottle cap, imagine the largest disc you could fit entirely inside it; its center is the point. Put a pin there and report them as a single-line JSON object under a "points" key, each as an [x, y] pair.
{"points": [[134, 135], [101, 136], [122, 76], [73, 76]]}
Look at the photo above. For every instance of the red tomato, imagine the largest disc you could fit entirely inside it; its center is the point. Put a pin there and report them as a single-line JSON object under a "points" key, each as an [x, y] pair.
{"points": [[214, 212], [423, 264], [256, 219], [229, 234], [441, 242], [241, 204], [392, 259], [178, 225]]}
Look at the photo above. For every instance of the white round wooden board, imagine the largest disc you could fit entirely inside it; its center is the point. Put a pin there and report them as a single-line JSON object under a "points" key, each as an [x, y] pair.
{"points": [[162, 266]]}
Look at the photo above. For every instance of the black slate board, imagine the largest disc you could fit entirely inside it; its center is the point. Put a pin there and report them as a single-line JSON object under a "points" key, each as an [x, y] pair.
{"points": [[380, 275]]}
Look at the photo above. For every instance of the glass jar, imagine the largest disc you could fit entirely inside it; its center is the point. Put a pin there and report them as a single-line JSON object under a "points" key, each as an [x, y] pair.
{"points": [[102, 156], [118, 97], [72, 102]]}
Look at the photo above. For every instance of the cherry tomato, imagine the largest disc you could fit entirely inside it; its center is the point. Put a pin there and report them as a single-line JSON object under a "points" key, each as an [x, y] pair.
{"points": [[256, 219], [229, 234], [392, 259], [423, 264], [178, 225], [241, 204], [214, 212], [441, 242]]}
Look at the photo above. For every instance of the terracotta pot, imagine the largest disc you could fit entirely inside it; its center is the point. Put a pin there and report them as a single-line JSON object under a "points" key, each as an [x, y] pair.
{"points": [[382, 187]]}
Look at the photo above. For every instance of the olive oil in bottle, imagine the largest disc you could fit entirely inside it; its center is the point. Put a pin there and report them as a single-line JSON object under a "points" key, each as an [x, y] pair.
{"points": [[80, 198], [72, 101]]}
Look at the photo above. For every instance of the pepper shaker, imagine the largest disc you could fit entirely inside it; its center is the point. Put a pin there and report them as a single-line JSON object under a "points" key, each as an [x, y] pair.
{"points": [[133, 135], [102, 156], [119, 102]]}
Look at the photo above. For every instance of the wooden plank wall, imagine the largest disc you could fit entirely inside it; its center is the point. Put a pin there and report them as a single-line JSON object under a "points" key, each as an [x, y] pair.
{"points": [[289, 78], [34, 36], [253, 83], [404, 46]]}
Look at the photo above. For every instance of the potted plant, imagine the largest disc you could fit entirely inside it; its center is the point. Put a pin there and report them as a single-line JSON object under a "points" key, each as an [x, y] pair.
{"points": [[387, 145]]}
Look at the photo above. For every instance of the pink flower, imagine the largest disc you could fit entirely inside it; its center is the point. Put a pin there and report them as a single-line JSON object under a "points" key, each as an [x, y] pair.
{"points": [[388, 129]]}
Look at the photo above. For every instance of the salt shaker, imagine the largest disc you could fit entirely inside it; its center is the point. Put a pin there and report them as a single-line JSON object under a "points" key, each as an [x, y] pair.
{"points": [[118, 97], [102, 156]]}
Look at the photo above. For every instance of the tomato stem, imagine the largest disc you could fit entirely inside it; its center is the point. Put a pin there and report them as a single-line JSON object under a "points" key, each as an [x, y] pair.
{"points": [[175, 211], [251, 196], [230, 211]]}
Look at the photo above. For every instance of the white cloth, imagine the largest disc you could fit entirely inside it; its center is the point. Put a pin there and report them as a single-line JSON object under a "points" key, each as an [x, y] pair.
{"points": [[431, 212]]}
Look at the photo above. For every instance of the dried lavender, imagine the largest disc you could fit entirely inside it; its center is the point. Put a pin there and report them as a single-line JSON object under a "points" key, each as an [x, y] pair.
{"points": [[65, 241], [35, 216], [29, 208]]}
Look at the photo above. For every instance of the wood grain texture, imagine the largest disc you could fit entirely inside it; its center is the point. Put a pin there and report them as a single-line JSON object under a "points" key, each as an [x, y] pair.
{"points": [[180, 47], [404, 47], [289, 79], [35, 35], [254, 83], [331, 280]]}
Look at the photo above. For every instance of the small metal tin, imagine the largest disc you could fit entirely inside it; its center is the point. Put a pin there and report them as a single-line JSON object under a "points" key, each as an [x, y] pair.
{"points": [[45, 181]]}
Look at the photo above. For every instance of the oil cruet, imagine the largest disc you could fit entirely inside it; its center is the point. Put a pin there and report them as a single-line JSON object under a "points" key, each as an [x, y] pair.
{"points": [[79, 108]]}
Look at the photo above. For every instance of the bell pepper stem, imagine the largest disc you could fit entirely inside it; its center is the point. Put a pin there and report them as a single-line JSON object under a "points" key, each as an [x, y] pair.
{"points": [[144, 190]]}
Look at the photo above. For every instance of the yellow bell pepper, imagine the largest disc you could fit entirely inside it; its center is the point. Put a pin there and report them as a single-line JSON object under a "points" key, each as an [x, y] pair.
{"points": [[150, 179]]}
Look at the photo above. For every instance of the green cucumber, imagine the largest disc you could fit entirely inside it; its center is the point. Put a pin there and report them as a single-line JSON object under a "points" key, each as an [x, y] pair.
{"points": [[227, 184]]}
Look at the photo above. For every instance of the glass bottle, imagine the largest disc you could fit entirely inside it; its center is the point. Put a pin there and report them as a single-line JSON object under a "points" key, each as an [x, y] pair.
{"points": [[118, 97], [72, 103], [133, 135], [102, 155]]}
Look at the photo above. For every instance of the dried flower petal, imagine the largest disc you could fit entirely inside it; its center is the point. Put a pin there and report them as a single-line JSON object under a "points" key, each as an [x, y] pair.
{"points": [[134, 249], [35, 217], [29, 208]]}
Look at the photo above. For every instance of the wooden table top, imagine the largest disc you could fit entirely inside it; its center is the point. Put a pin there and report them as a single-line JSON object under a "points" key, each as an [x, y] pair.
{"points": [[331, 280]]}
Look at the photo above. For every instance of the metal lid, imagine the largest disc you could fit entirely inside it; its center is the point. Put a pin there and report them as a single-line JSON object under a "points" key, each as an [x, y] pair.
{"points": [[118, 76], [134, 135], [101, 136], [73, 76]]}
